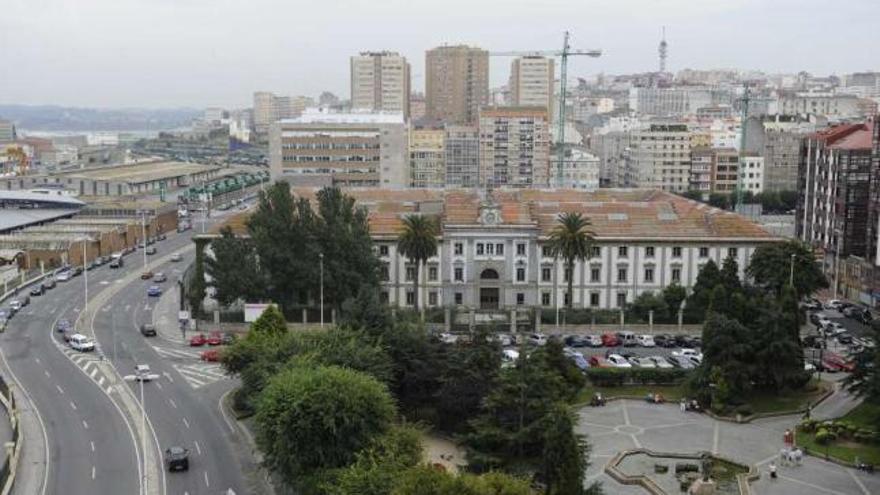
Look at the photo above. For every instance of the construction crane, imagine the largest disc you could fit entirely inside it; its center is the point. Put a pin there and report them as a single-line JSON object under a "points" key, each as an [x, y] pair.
{"points": [[563, 54]]}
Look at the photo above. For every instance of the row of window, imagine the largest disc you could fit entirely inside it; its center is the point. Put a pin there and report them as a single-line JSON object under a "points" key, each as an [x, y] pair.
{"points": [[547, 251], [546, 298], [596, 274]]}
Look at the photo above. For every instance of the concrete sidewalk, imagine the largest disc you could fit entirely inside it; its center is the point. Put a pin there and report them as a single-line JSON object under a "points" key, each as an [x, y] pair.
{"points": [[31, 475]]}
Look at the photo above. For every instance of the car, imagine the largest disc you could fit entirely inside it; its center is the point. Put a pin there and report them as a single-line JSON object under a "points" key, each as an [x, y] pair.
{"points": [[91, 266], [812, 305], [681, 362], [663, 340], [645, 340], [142, 373], [642, 362], [697, 359], [696, 341], [833, 328], [660, 362], [537, 339], [154, 291], [81, 343], [627, 339], [618, 361], [161, 237], [508, 357], [594, 340], [146, 275], [215, 338], [833, 304], [15, 305], [227, 339], [176, 257], [809, 367], [49, 283], [610, 340], [159, 277], [599, 362], [210, 356], [576, 341], [62, 325], [100, 260], [844, 338], [448, 338], [151, 250], [77, 271], [832, 362], [38, 290], [148, 330], [117, 261], [63, 276], [813, 342], [816, 318], [685, 351], [578, 360], [682, 340], [198, 340], [177, 459]]}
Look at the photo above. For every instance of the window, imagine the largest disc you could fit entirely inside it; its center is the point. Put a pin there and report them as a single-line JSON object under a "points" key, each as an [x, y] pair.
{"points": [[458, 274], [490, 249], [594, 299], [649, 252], [649, 274], [731, 252], [520, 274], [480, 248], [676, 275], [547, 251], [676, 251], [595, 274], [383, 250], [383, 297], [545, 274], [521, 249], [545, 299], [432, 273], [621, 299], [432, 298], [458, 298], [520, 298], [410, 273], [704, 252], [499, 249], [385, 272], [622, 251], [410, 298], [565, 298], [595, 252], [459, 248], [566, 275], [621, 274]]}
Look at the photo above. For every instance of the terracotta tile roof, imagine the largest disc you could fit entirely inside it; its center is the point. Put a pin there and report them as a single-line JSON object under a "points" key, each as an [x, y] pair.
{"points": [[613, 213]]}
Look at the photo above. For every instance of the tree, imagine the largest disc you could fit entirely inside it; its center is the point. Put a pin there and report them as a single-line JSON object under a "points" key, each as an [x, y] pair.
{"points": [[233, 269], [553, 354], [418, 242], [564, 458], [196, 289], [366, 312], [674, 294], [698, 302], [418, 365], [719, 200], [730, 275], [570, 240], [347, 348], [648, 301], [770, 268], [469, 375], [379, 466], [424, 480], [313, 419], [693, 194], [728, 351], [271, 321], [864, 381]]}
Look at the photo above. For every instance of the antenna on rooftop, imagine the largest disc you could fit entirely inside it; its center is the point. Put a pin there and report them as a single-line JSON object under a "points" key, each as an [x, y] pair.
{"points": [[663, 50]]}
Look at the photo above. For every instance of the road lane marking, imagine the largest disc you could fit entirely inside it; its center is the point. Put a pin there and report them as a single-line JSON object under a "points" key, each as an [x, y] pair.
{"points": [[72, 405], [85, 425], [37, 360], [60, 390], [101, 381], [198, 449], [93, 373], [93, 472], [47, 374], [159, 385], [92, 445], [171, 401], [223, 412], [186, 422], [206, 480]]}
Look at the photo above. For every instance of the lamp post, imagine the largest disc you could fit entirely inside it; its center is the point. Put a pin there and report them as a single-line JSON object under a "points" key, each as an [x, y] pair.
{"points": [[85, 279], [556, 289], [141, 377], [791, 271], [321, 261], [144, 234]]}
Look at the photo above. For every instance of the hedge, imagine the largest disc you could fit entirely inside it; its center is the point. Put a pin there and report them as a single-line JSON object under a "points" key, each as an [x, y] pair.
{"points": [[615, 377]]}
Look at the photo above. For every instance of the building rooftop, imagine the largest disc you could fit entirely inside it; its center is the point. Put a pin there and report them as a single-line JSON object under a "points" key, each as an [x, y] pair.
{"points": [[14, 218], [854, 137], [139, 173], [613, 213], [320, 116]]}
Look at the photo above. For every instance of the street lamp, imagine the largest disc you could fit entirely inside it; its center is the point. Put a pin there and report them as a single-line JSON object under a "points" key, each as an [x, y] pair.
{"points": [[85, 279], [791, 271], [142, 374], [321, 258], [144, 234]]}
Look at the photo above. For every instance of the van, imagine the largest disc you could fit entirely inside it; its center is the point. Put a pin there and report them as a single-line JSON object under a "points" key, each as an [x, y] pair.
{"points": [[81, 343], [627, 339]]}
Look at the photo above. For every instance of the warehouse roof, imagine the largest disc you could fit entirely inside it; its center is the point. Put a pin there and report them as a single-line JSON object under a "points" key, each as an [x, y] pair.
{"points": [[140, 172], [13, 218]]}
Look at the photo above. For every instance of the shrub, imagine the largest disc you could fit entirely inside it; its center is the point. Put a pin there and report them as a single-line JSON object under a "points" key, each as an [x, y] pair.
{"points": [[824, 437], [808, 425], [745, 410], [615, 377]]}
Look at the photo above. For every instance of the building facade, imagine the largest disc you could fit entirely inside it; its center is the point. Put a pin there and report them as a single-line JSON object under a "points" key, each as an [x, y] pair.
{"points": [[725, 170], [456, 83], [815, 103], [462, 156], [659, 157], [752, 174], [531, 82], [514, 147], [380, 82], [270, 108], [427, 157], [353, 149], [7, 130], [702, 169], [580, 171]]}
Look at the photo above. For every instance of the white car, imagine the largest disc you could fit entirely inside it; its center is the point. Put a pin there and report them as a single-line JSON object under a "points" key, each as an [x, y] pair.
{"points": [[63, 276], [661, 362], [509, 357], [15, 305], [538, 339], [176, 257], [685, 351], [618, 361], [448, 338], [646, 340], [502, 338], [142, 373], [642, 362], [594, 340], [81, 343]]}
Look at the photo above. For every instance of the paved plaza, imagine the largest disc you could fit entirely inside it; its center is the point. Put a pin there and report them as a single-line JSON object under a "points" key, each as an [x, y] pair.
{"points": [[627, 424]]}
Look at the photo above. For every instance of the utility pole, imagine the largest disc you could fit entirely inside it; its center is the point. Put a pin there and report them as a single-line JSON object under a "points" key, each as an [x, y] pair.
{"points": [[85, 279], [144, 233]]}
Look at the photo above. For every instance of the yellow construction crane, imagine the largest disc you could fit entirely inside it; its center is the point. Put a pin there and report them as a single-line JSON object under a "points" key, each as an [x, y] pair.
{"points": [[563, 54]]}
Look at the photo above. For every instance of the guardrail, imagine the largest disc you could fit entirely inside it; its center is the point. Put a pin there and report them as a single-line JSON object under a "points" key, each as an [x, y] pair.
{"points": [[13, 448]]}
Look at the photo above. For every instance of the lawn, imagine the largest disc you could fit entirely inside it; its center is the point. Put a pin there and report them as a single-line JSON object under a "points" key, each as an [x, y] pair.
{"points": [[788, 401], [865, 415], [672, 393], [844, 450]]}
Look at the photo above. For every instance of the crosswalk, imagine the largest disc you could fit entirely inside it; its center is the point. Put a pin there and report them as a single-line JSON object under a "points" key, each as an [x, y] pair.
{"points": [[196, 374], [88, 362]]}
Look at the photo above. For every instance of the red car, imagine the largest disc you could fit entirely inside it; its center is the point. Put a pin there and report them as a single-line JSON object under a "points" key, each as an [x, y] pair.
{"points": [[834, 362], [198, 340], [610, 340], [215, 338], [599, 362], [211, 355]]}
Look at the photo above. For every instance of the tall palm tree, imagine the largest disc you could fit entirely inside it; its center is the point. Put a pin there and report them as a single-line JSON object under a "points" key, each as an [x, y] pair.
{"points": [[418, 242], [570, 240]]}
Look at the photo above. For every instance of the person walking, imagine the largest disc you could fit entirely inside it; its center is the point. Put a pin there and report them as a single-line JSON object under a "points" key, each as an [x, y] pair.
{"points": [[682, 404], [772, 470]]}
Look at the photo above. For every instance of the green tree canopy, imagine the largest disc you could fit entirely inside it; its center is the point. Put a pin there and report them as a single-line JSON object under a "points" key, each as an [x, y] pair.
{"points": [[570, 240], [234, 271], [564, 458], [429, 481], [698, 302], [380, 465], [770, 268], [469, 375], [366, 312], [418, 242]]}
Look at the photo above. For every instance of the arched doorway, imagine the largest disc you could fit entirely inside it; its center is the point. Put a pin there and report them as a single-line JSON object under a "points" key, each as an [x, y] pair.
{"points": [[489, 296]]}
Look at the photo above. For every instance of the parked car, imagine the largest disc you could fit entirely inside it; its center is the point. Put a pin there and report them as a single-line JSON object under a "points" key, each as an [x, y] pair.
{"points": [[63, 276], [77, 271], [448, 338], [594, 340], [146, 275], [618, 361], [49, 283], [813, 342], [610, 340], [681, 362], [215, 338], [38, 290], [211, 355], [538, 339], [646, 340], [817, 318], [198, 340], [62, 325], [832, 362], [148, 330], [159, 277], [176, 257], [15, 305], [844, 338], [508, 357], [503, 339], [833, 304], [660, 362], [599, 362], [227, 339], [151, 250], [577, 358], [833, 328], [682, 340], [81, 343], [177, 459], [664, 340], [627, 339], [685, 351], [642, 362], [154, 291], [576, 341]]}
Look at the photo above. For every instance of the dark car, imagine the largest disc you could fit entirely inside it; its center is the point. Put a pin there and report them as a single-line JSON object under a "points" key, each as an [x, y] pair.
{"points": [[227, 339], [813, 342], [62, 325], [77, 271], [38, 290], [148, 330], [845, 338], [576, 341], [664, 340], [684, 341], [151, 250], [177, 459]]}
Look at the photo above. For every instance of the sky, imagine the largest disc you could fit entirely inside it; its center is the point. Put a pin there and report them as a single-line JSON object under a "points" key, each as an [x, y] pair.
{"points": [[200, 53]]}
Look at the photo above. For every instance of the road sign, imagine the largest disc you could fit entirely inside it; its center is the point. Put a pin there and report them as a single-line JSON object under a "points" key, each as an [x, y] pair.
{"points": [[183, 315]]}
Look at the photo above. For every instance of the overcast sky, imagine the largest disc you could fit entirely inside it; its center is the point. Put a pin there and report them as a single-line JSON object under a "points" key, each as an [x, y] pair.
{"points": [[197, 53]]}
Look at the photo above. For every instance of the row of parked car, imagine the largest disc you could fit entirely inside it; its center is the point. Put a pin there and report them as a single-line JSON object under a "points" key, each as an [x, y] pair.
{"points": [[608, 339]]}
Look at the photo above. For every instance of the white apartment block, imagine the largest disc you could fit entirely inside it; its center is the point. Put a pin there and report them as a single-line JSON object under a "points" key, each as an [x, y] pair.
{"points": [[815, 103], [427, 157], [659, 157], [668, 102], [531, 82], [752, 174], [380, 81], [580, 171]]}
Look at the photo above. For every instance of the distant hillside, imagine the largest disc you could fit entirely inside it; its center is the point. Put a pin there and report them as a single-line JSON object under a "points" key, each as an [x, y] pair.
{"points": [[56, 118]]}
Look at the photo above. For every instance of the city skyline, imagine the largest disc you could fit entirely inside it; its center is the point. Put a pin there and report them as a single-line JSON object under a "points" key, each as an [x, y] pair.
{"points": [[181, 54]]}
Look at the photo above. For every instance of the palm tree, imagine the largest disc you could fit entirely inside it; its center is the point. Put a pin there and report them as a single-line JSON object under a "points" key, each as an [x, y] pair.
{"points": [[571, 241], [418, 242]]}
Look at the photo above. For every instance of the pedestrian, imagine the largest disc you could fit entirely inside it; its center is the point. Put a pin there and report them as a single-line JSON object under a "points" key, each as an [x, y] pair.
{"points": [[682, 404], [772, 471]]}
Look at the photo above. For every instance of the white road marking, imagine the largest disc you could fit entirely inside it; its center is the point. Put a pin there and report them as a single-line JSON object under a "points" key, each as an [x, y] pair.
{"points": [[73, 405], [173, 404], [206, 480], [93, 472], [159, 385], [92, 445], [101, 381], [85, 425], [60, 390], [37, 360], [186, 422], [47, 374], [198, 449], [93, 373]]}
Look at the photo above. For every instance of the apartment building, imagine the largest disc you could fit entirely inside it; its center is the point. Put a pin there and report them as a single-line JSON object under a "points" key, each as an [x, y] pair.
{"points": [[345, 149], [725, 170], [531, 82], [380, 82], [269, 108], [514, 147], [752, 174], [427, 157], [456, 83], [7, 130], [659, 156], [819, 103], [702, 169], [669, 102], [580, 171], [462, 156]]}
